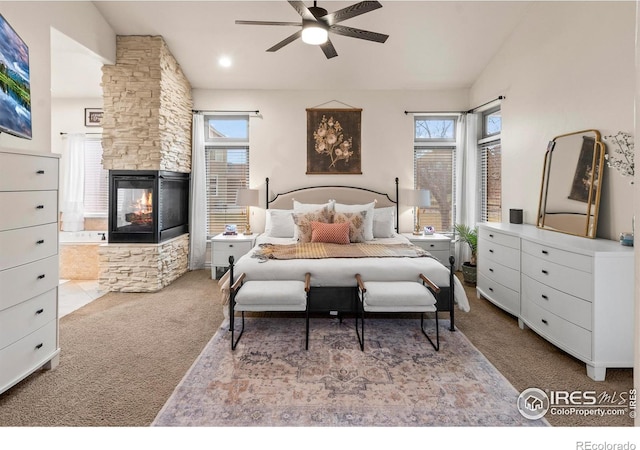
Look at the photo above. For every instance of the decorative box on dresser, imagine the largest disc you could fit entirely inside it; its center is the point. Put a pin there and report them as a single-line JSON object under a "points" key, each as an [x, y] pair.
{"points": [[28, 264], [575, 292]]}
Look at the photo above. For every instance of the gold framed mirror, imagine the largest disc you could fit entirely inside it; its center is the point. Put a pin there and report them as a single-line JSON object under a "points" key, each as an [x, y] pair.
{"points": [[570, 191]]}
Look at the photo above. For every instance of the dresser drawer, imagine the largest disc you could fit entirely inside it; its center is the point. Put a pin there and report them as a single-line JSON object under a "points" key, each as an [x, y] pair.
{"points": [[25, 245], [506, 276], [26, 317], [570, 337], [505, 298], [433, 246], [28, 354], [566, 279], [568, 307], [562, 257], [29, 280], [507, 256], [28, 173], [222, 251], [499, 238], [28, 208]]}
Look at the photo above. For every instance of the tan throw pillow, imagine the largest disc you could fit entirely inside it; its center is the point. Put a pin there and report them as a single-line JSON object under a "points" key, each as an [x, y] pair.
{"points": [[356, 221], [303, 222]]}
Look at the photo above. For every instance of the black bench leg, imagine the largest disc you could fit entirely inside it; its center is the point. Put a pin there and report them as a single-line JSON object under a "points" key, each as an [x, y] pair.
{"points": [[435, 345], [234, 343]]}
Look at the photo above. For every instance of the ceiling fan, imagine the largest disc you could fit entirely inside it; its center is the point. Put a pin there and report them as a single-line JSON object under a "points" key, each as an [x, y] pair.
{"points": [[317, 23]]}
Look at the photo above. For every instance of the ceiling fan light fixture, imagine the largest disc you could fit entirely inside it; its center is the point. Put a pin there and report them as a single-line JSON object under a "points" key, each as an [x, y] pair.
{"points": [[314, 34]]}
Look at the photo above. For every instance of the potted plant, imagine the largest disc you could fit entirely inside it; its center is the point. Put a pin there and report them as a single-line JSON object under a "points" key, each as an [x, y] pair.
{"points": [[469, 236]]}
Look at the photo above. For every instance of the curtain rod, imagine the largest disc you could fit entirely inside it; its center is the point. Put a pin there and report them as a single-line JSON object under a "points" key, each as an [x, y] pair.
{"points": [[501, 97], [62, 133], [200, 111]]}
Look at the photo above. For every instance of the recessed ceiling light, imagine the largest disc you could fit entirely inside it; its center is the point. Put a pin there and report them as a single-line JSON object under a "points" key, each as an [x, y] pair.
{"points": [[224, 61]]}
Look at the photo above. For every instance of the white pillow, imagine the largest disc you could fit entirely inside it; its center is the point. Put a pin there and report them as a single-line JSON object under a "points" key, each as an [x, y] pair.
{"points": [[279, 223], [368, 218], [383, 222]]}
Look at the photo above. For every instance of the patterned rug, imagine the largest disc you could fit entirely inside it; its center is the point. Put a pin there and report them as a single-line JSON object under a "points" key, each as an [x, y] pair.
{"points": [[399, 380]]}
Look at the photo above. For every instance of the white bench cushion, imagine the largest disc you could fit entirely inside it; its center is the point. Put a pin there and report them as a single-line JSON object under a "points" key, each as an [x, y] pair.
{"points": [[271, 296], [398, 296]]}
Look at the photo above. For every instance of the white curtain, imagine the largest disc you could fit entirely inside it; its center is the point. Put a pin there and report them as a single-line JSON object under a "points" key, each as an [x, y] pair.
{"points": [[198, 205], [72, 183], [467, 180]]}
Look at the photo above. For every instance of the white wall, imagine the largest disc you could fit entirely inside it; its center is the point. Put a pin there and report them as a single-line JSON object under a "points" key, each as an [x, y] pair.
{"points": [[278, 137], [33, 21], [67, 116], [569, 66]]}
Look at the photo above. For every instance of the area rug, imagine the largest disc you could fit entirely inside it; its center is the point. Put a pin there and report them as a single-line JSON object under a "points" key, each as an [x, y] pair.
{"points": [[398, 380]]}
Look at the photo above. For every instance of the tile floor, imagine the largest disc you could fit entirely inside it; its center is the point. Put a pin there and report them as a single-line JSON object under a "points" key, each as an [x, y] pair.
{"points": [[73, 294]]}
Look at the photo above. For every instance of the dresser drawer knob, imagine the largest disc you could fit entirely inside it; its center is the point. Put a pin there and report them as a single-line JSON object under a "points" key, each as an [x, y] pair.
{"points": [[40, 172], [40, 207], [491, 235], [544, 297], [545, 272], [490, 270], [40, 277], [230, 245], [544, 252], [490, 250], [39, 346], [544, 321], [40, 241], [40, 311], [491, 289], [431, 245]]}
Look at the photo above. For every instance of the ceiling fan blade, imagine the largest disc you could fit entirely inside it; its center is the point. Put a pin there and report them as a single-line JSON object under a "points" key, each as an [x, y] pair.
{"points": [[357, 33], [328, 49], [260, 22], [302, 10], [351, 11], [286, 41]]}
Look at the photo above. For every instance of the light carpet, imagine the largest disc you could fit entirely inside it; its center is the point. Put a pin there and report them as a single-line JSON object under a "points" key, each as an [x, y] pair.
{"points": [[399, 380]]}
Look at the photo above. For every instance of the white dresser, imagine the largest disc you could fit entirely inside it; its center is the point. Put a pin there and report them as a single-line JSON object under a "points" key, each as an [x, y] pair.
{"points": [[28, 264], [575, 292]]}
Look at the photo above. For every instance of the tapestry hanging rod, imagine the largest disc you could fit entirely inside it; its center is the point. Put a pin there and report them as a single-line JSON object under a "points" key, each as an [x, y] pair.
{"points": [[218, 111], [501, 97]]}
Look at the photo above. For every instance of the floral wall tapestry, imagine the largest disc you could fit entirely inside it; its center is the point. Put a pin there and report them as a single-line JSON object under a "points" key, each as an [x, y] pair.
{"points": [[333, 141]]}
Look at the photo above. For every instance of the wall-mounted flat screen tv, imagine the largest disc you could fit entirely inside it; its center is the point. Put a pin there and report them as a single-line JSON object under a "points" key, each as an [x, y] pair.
{"points": [[15, 88]]}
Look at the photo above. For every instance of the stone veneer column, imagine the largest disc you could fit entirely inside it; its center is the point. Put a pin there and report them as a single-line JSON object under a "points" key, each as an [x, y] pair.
{"points": [[146, 126]]}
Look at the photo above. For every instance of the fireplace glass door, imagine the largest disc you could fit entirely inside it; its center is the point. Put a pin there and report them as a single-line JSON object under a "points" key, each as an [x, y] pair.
{"points": [[134, 211]]}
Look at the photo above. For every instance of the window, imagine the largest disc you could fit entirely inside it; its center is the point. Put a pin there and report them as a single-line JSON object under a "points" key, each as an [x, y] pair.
{"points": [[96, 179], [434, 169], [227, 169], [490, 166]]}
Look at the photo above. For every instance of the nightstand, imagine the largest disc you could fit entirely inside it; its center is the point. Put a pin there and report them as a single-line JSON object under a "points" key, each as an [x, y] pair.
{"points": [[224, 246], [438, 245]]}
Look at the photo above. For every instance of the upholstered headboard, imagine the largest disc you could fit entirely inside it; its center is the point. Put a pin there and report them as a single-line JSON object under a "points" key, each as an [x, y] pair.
{"points": [[342, 194]]}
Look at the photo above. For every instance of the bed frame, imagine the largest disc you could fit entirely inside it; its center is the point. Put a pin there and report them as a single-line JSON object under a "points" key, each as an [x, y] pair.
{"points": [[340, 300]]}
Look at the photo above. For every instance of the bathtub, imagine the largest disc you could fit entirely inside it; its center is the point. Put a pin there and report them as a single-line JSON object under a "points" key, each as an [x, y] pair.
{"points": [[78, 251]]}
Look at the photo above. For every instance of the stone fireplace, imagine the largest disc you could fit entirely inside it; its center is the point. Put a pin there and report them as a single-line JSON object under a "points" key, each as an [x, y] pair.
{"points": [[147, 143]]}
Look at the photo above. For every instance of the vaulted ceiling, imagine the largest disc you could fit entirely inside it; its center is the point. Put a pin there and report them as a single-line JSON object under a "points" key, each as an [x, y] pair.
{"points": [[431, 44]]}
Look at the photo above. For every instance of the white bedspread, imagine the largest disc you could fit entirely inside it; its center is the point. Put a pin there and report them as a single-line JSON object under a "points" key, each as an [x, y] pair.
{"points": [[341, 271]]}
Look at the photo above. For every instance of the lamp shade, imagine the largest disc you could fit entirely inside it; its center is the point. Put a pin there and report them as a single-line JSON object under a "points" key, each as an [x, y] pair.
{"points": [[247, 197], [421, 198]]}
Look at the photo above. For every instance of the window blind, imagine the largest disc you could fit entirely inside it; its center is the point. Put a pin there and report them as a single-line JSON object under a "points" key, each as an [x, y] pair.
{"points": [[491, 181], [227, 170], [96, 179], [434, 169]]}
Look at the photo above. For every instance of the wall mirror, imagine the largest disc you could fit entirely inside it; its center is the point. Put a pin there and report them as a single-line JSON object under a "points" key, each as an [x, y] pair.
{"points": [[571, 182]]}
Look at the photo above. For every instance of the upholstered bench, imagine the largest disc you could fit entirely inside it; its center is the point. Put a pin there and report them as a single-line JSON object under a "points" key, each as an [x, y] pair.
{"points": [[397, 297], [266, 296]]}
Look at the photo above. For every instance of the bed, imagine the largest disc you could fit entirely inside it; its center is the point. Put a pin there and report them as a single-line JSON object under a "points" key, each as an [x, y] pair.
{"points": [[333, 284]]}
